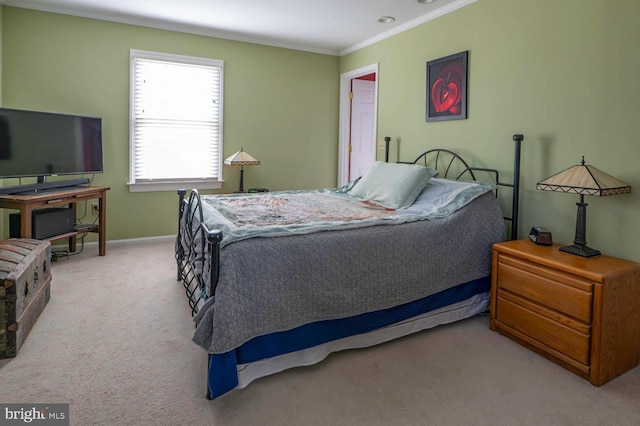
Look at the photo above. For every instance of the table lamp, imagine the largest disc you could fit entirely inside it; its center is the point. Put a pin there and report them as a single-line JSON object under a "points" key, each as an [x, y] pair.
{"points": [[241, 158], [584, 180]]}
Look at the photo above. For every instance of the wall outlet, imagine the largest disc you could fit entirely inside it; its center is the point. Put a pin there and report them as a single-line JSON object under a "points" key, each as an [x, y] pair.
{"points": [[95, 209]]}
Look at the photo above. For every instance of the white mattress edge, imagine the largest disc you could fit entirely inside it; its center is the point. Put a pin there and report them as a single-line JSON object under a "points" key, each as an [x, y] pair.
{"points": [[445, 315]]}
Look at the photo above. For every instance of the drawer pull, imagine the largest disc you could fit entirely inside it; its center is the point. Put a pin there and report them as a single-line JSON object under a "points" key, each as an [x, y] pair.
{"points": [[56, 201]]}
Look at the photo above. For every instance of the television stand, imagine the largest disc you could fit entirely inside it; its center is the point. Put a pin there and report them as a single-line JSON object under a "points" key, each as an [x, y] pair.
{"points": [[41, 185], [26, 204]]}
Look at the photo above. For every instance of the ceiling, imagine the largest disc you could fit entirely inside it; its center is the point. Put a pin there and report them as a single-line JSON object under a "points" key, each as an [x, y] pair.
{"points": [[333, 27]]}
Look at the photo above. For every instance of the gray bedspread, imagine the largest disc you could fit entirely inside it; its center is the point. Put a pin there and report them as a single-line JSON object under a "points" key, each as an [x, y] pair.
{"points": [[275, 284]]}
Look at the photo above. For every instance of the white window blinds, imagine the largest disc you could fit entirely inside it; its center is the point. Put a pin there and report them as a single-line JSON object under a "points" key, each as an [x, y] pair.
{"points": [[176, 118]]}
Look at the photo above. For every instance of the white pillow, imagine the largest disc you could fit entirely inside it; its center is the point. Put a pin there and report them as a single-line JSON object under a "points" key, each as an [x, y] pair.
{"points": [[392, 185]]}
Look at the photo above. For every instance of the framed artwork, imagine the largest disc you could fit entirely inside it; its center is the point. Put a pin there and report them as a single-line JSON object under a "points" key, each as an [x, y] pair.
{"points": [[447, 87]]}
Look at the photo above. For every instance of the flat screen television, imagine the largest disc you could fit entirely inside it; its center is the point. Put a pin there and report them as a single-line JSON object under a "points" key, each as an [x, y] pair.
{"points": [[41, 144]]}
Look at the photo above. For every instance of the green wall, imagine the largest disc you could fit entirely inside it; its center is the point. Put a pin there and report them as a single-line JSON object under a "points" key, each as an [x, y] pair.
{"points": [[281, 105], [1, 11], [1, 183], [565, 74]]}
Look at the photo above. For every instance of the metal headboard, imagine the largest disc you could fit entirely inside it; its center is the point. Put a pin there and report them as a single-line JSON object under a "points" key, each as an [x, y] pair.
{"points": [[446, 162]]}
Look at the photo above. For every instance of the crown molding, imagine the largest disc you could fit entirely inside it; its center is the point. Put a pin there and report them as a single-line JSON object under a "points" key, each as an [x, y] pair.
{"points": [[451, 7], [208, 32], [164, 25]]}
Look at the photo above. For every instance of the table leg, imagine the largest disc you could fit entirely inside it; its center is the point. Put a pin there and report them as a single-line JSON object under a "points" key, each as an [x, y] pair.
{"points": [[25, 221], [72, 240], [102, 224]]}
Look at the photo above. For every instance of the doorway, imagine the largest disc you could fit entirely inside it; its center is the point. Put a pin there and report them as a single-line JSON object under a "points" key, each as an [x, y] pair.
{"points": [[358, 122]]}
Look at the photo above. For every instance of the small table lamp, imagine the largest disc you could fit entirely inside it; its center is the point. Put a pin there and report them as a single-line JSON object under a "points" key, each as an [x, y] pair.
{"points": [[583, 179], [241, 158]]}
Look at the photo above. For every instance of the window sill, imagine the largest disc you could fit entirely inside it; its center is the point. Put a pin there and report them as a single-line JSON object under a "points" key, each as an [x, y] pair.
{"points": [[173, 186]]}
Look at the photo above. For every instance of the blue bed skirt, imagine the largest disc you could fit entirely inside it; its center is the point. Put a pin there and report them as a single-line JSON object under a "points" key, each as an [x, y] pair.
{"points": [[223, 374]]}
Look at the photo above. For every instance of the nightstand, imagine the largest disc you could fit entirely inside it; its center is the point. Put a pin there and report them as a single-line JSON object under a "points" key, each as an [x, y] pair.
{"points": [[582, 313]]}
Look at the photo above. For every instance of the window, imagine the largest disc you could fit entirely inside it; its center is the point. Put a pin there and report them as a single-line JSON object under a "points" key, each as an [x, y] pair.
{"points": [[175, 123]]}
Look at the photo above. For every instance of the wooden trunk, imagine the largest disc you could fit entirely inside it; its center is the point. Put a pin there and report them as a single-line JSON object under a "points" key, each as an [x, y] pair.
{"points": [[25, 280]]}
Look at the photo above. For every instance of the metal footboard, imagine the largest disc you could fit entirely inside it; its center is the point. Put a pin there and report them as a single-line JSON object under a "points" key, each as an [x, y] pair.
{"points": [[197, 251]]}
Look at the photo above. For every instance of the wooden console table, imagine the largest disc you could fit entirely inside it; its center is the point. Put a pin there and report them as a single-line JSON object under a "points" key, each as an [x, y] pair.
{"points": [[28, 202]]}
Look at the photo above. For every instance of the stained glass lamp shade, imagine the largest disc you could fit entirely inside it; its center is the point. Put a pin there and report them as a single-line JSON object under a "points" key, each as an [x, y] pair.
{"points": [[241, 158], [583, 179]]}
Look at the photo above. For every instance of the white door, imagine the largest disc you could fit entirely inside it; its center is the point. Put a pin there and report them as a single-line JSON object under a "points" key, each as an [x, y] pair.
{"points": [[344, 138], [363, 134]]}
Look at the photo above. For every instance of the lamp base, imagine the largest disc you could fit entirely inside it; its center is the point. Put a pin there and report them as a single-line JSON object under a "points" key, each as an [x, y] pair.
{"points": [[580, 250]]}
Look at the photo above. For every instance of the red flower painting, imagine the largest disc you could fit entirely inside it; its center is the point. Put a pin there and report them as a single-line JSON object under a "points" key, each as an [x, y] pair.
{"points": [[447, 88]]}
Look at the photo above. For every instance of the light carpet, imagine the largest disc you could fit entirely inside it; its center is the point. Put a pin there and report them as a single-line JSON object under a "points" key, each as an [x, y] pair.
{"points": [[115, 343]]}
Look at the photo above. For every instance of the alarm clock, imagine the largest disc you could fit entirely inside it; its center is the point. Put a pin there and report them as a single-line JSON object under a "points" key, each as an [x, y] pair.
{"points": [[540, 235]]}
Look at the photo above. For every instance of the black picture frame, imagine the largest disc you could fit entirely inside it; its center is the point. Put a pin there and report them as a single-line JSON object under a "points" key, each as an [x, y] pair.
{"points": [[447, 87]]}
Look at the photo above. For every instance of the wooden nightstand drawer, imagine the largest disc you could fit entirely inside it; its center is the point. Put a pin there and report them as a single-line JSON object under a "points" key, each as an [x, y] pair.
{"points": [[560, 337], [562, 292]]}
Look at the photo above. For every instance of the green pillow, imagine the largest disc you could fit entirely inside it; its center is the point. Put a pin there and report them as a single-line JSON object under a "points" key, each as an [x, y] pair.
{"points": [[392, 185]]}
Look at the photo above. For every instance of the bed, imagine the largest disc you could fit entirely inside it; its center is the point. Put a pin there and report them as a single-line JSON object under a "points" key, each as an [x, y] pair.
{"points": [[277, 280]]}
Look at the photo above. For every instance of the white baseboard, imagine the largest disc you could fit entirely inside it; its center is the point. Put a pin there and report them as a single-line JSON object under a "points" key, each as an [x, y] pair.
{"points": [[112, 243], [162, 238]]}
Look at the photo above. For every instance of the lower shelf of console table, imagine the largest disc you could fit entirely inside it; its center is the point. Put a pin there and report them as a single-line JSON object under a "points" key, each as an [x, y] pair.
{"points": [[27, 203]]}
